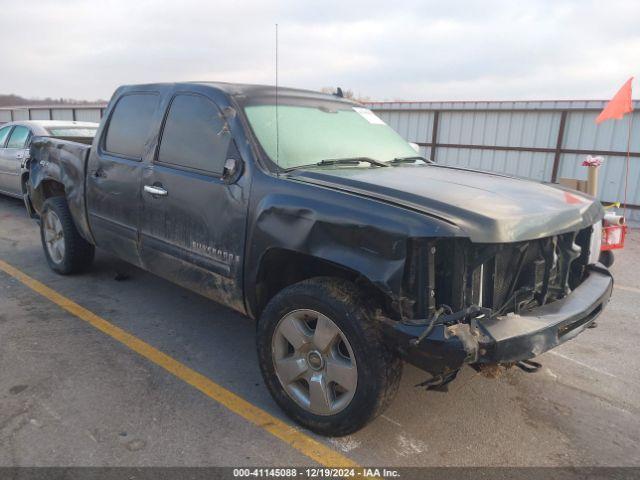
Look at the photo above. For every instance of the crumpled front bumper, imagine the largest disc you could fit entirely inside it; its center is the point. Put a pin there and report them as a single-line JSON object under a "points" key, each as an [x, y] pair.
{"points": [[509, 338], [519, 337]]}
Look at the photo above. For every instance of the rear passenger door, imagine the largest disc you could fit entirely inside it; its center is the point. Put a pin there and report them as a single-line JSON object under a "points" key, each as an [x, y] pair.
{"points": [[114, 174], [193, 223]]}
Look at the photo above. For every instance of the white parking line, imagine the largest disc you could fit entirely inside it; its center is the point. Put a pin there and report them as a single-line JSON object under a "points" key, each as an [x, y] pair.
{"points": [[582, 364], [390, 420], [627, 289]]}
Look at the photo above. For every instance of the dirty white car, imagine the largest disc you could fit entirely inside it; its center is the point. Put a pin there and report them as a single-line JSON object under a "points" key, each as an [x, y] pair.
{"points": [[15, 139]]}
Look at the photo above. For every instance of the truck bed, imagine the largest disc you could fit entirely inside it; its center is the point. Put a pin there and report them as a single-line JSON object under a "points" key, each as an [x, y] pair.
{"points": [[63, 161]]}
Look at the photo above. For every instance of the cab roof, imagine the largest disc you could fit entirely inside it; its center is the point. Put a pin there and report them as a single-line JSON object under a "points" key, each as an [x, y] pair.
{"points": [[247, 92]]}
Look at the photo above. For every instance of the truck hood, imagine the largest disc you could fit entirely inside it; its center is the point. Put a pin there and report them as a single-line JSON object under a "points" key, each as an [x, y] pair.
{"points": [[486, 207]]}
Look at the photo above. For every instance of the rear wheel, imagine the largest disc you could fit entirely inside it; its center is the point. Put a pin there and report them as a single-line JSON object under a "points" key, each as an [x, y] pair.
{"points": [[65, 249], [323, 357]]}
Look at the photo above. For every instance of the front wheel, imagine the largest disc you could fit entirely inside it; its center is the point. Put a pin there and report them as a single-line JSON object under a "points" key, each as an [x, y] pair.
{"points": [[65, 249], [323, 357]]}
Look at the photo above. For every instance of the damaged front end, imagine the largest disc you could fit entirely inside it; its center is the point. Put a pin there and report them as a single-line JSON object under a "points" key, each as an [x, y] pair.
{"points": [[495, 304]]}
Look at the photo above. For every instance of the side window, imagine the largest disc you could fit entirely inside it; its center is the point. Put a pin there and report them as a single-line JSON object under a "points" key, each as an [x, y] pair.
{"points": [[18, 138], [130, 123], [194, 135], [4, 132]]}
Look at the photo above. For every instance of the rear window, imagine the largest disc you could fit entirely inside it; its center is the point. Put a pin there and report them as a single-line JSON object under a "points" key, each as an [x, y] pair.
{"points": [[72, 132], [18, 138], [130, 124]]}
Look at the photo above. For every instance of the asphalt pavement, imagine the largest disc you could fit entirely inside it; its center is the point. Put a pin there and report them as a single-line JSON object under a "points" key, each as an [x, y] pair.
{"points": [[71, 395]]}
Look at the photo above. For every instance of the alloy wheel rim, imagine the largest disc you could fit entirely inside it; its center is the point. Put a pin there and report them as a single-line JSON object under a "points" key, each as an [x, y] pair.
{"points": [[314, 362], [54, 236]]}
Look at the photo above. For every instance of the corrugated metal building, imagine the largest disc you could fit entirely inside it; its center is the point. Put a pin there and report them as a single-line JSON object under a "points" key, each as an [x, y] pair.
{"points": [[542, 140], [81, 113]]}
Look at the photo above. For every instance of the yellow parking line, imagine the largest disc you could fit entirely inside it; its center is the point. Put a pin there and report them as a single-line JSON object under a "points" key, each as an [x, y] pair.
{"points": [[288, 434]]}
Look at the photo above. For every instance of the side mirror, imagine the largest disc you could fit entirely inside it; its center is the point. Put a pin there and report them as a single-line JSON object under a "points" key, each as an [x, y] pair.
{"points": [[232, 170]]}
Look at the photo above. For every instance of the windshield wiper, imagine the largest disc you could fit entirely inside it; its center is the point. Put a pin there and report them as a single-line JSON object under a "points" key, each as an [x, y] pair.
{"points": [[410, 159], [340, 161]]}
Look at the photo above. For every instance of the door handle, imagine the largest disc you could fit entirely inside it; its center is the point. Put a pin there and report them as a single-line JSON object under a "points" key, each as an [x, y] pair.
{"points": [[24, 158], [99, 173], [155, 191]]}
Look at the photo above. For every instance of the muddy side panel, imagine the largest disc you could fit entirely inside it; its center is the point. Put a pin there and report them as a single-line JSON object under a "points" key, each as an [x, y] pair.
{"points": [[60, 162]]}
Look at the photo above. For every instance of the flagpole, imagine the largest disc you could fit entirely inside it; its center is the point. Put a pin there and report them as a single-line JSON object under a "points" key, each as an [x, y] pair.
{"points": [[626, 170]]}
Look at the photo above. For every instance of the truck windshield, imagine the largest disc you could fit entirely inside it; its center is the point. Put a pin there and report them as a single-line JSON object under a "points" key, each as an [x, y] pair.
{"points": [[309, 135]]}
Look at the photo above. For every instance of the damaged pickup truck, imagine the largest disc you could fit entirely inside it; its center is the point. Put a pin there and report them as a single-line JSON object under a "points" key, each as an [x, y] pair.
{"points": [[309, 214]]}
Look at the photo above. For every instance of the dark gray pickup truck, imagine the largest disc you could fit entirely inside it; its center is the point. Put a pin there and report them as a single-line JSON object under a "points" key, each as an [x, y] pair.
{"points": [[308, 213]]}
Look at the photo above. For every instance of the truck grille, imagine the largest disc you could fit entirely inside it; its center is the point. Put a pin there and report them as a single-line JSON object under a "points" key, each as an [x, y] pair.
{"points": [[535, 272], [511, 277]]}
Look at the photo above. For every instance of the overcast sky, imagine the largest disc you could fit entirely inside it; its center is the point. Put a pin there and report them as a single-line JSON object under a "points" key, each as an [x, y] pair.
{"points": [[385, 50]]}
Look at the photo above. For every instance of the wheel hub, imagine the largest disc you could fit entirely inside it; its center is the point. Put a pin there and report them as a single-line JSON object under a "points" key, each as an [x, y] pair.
{"points": [[314, 362]]}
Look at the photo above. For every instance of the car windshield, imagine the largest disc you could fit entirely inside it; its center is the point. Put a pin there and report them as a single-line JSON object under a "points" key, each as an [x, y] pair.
{"points": [[72, 131], [308, 135]]}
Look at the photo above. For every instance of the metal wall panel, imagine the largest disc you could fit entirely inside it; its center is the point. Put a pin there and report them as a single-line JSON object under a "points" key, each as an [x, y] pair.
{"points": [[501, 105], [88, 115], [583, 133], [40, 114], [522, 164], [514, 129], [21, 114], [414, 126], [62, 113]]}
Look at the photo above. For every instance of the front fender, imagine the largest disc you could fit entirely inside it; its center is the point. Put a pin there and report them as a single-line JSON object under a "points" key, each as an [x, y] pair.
{"points": [[359, 234]]}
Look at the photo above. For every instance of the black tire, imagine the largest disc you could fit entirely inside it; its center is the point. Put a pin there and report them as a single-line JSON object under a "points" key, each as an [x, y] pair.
{"points": [[379, 369], [78, 253]]}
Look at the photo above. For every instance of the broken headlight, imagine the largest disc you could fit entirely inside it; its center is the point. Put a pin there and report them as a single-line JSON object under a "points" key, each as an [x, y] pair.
{"points": [[595, 242]]}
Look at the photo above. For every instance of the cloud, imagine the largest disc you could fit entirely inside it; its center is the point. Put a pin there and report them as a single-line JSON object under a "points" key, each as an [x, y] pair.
{"points": [[493, 49]]}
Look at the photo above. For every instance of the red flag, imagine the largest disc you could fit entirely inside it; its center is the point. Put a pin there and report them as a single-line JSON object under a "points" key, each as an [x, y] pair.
{"points": [[619, 105]]}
